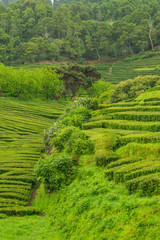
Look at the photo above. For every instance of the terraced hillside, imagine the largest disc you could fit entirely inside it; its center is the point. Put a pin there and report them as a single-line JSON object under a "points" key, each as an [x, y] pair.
{"points": [[120, 71], [137, 149], [21, 135]]}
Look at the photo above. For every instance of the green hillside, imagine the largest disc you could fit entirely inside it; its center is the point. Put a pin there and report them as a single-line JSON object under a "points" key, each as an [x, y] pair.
{"points": [[22, 124], [138, 130], [120, 71], [115, 191]]}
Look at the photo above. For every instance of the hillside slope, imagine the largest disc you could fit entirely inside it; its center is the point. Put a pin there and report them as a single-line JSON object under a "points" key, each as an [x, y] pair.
{"points": [[121, 71], [22, 124]]}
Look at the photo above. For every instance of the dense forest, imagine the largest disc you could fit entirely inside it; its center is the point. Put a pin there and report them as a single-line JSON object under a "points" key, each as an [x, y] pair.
{"points": [[32, 31]]}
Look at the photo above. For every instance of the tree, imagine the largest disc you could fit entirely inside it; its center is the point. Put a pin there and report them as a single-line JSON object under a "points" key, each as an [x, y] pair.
{"points": [[77, 76]]}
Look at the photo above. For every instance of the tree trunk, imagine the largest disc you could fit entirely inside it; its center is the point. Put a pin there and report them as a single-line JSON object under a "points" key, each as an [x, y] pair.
{"points": [[98, 55], [150, 34]]}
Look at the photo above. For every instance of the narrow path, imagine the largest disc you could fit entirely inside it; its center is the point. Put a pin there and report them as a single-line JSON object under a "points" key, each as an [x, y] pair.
{"points": [[34, 193], [110, 70]]}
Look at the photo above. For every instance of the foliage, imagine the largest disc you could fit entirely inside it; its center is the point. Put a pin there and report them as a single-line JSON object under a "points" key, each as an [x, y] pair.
{"points": [[21, 137], [29, 83], [149, 96], [130, 89], [104, 157], [141, 56], [66, 143], [77, 30], [94, 207], [74, 141], [55, 170], [87, 102], [77, 76], [99, 88]]}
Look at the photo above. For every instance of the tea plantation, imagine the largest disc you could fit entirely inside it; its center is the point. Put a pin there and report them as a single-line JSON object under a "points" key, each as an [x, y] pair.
{"points": [[120, 71], [115, 191], [22, 124], [135, 156]]}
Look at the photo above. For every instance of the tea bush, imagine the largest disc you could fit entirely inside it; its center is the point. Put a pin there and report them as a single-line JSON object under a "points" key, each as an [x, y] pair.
{"points": [[55, 170], [87, 102], [74, 141], [104, 157]]}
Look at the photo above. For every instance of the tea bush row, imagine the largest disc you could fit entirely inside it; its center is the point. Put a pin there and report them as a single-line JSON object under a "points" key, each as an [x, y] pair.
{"points": [[137, 116], [123, 124]]}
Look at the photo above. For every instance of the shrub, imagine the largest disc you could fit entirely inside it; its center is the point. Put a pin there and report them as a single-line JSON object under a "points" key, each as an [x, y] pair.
{"points": [[132, 88], [104, 157], [146, 185], [141, 56], [74, 141], [83, 112], [74, 120], [55, 170], [89, 103]]}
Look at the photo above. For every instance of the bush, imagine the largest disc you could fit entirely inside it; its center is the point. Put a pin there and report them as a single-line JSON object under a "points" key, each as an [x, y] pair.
{"points": [[74, 141], [89, 103], [83, 112], [74, 120], [104, 157], [132, 88], [55, 170], [99, 88], [141, 56]]}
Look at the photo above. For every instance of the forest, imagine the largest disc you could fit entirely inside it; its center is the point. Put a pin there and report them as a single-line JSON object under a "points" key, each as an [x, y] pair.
{"points": [[34, 31]]}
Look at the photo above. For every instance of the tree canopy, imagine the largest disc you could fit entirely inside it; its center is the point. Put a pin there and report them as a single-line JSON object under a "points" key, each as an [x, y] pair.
{"points": [[69, 29]]}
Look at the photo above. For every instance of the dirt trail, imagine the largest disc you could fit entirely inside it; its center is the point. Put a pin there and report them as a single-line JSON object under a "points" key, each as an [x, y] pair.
{"points": [[34, 194], [110, 70]]}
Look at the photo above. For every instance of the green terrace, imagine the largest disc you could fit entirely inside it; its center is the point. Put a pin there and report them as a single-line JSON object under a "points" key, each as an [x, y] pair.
{"points": [[22, 124], [121, 71], [130, 144]]}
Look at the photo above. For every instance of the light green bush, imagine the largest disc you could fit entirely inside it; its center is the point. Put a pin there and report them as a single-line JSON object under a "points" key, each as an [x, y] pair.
{"points": [[104, 157], [55, 170]]}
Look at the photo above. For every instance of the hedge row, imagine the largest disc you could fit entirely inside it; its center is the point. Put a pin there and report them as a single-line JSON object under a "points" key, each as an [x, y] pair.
{"points": [[130, 109], [140, 138], [14, 195], [129, 104], [118, 173], [147, 170], [126, 125], [19, 211], [121, 162], [137, 116], [146, 185]]}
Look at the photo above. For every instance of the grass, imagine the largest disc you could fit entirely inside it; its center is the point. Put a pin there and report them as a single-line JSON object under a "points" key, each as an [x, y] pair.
{"points": [[122, 70], [90, 208], [21, 142], [149, 96], [119, 201], [136, 127]]}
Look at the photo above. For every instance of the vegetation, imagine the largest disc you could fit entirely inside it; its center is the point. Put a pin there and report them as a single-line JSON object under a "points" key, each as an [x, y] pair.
{"points": [[37, 31], [21, 143], [89, 146], [128, 90], [126, 69], [22, 83], [47, 82], [90, 204], [97, 169], [77, 76], [136, 147]]}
